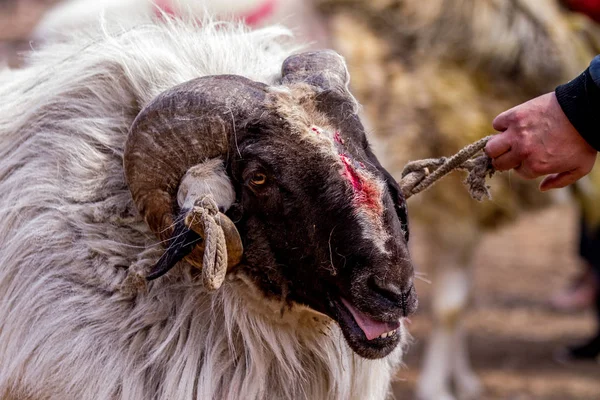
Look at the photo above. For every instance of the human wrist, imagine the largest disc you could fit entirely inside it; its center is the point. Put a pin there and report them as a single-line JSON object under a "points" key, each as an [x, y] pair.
{"points": [[579, 99], [594, 70]]}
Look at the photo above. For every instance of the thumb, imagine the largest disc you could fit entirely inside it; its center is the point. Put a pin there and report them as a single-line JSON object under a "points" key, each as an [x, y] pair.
{"points": [[556, 181]]}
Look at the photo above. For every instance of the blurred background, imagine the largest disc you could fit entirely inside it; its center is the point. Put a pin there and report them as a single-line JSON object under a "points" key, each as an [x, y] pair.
{"points": [[431, 76]]}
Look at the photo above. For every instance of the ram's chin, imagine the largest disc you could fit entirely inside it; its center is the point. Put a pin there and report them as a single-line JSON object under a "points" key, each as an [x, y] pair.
{"points": [[374, 348]]}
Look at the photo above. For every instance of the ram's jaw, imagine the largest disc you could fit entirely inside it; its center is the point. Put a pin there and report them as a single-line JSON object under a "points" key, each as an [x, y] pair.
{"points": [[370, 336], [300, 280]]}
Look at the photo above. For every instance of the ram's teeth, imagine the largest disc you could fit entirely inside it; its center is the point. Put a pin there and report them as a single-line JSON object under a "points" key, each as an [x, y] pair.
{"points": [[388, 334]]}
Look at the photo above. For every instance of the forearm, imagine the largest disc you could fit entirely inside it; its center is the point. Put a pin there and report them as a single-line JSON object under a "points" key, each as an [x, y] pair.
{"points": [[580, 101]]}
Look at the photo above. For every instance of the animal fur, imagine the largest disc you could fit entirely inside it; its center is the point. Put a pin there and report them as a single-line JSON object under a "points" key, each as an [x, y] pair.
{"points": [[76, 319]]}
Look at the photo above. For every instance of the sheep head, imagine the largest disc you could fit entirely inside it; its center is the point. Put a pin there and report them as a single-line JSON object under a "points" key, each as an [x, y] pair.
{"points": [[322, 223]]}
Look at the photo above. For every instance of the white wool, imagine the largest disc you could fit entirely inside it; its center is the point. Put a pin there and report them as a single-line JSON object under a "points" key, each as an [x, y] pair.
{"points": [[73, 323], [205, 178]]}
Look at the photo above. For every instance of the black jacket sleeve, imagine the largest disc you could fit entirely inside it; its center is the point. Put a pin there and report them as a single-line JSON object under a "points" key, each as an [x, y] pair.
{"points": [[580, 101]]}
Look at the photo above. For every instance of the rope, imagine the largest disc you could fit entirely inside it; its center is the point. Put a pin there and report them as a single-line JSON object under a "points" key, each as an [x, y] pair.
{"points": [[419, 175], [214, 261]]}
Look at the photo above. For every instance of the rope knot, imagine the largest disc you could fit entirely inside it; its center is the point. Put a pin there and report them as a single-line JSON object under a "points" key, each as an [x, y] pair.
{"points": [[207, 204], [419, 175], [205, 220]]}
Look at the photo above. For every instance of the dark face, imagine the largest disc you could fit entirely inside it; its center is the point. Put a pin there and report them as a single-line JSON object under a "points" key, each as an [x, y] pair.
{"points": [[325, 225]]}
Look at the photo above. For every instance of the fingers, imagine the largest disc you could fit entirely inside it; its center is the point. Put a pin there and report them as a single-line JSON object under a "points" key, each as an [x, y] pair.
{"points": [[505, 157], [502, 121], [498, 145], [506, 161], [563, 179]]}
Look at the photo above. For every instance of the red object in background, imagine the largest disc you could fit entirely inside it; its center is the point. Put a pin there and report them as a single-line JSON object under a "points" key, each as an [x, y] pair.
{"points": [[251, 18], [591, 8], [260, 14]]}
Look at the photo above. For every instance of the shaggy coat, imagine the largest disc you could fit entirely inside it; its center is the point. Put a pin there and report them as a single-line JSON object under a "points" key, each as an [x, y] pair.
{"points": [[76, 319]]}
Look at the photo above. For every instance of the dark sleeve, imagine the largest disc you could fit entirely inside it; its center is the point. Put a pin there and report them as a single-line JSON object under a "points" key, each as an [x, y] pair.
{"points": [[580, 101]]}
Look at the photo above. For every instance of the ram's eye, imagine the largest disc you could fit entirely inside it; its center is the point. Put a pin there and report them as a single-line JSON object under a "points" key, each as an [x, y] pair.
{"points": [[258, 179]]}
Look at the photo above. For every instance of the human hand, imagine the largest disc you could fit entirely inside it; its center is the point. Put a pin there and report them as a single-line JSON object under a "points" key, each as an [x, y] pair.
{"points": [[538, 139]]}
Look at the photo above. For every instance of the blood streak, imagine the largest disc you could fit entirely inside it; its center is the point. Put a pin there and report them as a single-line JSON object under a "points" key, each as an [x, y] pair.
{"points": [[366, 192], [338, 138]]}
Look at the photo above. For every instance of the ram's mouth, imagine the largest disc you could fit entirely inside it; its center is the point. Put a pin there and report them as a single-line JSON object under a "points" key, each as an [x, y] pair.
{"points": [[367, 336]]}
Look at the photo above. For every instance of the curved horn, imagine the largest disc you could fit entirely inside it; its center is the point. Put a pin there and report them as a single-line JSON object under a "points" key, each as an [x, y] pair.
{"points": [[180, 128], [324, 69]]}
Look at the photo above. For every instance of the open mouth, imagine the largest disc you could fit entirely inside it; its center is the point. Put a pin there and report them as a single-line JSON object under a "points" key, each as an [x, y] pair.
{"points": [[367, 336], [371, 328]]}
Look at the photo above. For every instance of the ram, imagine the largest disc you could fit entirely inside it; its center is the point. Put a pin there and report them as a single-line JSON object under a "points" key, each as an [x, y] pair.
{"points": [[129, 159]]}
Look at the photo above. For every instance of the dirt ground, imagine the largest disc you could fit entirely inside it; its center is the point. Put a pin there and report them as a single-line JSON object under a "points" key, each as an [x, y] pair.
{"points": [[513, 332]]}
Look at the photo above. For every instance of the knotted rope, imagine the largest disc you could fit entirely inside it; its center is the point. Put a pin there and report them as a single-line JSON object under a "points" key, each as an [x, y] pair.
{"points": [[419, 175], [204, 219]]}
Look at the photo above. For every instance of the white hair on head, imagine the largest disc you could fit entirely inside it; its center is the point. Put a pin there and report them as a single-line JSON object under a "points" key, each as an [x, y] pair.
{"points": [[73, 323]]}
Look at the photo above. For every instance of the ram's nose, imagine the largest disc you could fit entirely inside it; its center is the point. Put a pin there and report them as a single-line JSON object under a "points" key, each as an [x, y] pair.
{"points": [[404, 296]]}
